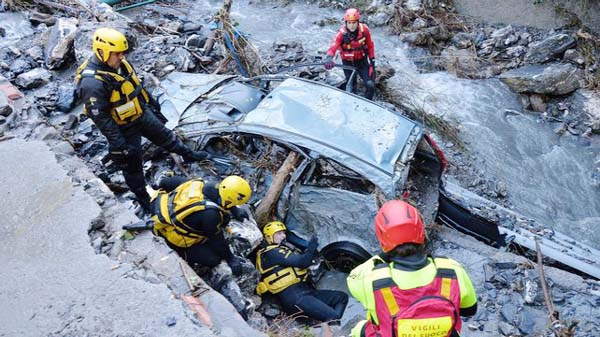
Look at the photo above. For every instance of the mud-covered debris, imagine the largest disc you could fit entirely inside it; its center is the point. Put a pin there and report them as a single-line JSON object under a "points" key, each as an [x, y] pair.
{"points": [[60, 42]]}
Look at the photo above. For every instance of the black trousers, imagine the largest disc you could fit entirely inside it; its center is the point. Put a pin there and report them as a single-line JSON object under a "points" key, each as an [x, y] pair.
{"points": [[362, 68], [322, 305], [149, 126]]}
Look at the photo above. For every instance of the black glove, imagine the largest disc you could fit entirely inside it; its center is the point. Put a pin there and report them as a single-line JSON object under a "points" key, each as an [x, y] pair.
{"points": [[329, 64], [313, 244], [235, 263], [194, 156], [239, 213]]}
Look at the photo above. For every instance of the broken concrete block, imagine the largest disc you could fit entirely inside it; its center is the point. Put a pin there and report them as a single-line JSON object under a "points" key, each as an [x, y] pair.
{"points": [[34, 78], [60, 42]]}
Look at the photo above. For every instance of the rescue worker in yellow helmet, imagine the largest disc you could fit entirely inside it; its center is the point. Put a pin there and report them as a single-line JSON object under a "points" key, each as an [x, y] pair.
{"points": [[123, 111], [192, 214], [283, 269], [404, 290]]}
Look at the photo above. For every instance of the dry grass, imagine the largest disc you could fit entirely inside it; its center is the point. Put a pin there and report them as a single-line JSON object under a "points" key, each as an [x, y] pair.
{"points": [[286, 326]]}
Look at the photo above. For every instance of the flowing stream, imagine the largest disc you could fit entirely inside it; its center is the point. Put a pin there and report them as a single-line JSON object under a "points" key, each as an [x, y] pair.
{"points": [[548, 178]]}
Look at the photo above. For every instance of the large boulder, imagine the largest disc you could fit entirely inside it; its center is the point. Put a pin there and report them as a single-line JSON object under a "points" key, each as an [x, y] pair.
{"points": [[60, 42], [554, 79], [550, 48]]}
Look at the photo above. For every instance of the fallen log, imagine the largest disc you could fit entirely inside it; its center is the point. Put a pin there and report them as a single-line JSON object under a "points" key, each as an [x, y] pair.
{"points": [[264, 209]]}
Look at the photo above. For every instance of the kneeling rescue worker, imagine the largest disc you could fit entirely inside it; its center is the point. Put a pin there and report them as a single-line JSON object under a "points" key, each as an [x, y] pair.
{"points": [[405, 291], [191, 216], [356, 47], [284, 273], [117, 103]]}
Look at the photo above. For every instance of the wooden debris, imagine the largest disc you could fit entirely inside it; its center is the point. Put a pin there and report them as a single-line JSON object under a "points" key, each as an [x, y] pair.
{"points": [[263, 211]]}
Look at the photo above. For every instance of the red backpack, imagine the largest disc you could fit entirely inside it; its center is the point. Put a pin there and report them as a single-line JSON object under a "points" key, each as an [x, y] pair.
{"points": [[428, 311]]}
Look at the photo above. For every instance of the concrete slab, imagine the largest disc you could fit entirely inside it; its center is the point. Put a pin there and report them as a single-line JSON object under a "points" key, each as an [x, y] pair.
{"points": [[53, 284]]}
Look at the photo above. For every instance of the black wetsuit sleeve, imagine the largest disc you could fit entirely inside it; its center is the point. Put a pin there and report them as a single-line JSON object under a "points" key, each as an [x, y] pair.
{"points": [[207, 222], [285, 257], [96, 97], [171, 183], [221, 243], [468, 312]]}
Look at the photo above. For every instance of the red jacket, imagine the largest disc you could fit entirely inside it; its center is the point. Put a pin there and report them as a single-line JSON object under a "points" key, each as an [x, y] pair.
{"points": [[355, 49]]}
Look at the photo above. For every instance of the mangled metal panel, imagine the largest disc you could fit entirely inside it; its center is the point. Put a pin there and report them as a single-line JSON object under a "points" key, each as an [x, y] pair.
{"points": [[179, 90], [355, 132], [228, 104], [334, 215]]}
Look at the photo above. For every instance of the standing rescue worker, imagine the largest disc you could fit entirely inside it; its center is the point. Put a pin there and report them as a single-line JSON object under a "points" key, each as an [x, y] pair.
{"points": [[284, 273], [121, 108], [356, 47], [191, 216], [405, 291]]}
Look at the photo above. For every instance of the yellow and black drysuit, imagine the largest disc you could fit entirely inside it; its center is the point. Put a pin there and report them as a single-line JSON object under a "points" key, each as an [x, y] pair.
{"points": [[189, 217], [284, 274], [121, 108]]}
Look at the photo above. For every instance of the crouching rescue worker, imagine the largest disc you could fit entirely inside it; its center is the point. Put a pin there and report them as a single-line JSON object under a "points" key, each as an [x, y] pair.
{"points": [[117, 103], [405, 291], [356, 47], [284, 273], [192, 214]]}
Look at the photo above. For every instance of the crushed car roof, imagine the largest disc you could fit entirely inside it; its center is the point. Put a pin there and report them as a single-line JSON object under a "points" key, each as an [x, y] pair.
{"points": [[354, 131]]}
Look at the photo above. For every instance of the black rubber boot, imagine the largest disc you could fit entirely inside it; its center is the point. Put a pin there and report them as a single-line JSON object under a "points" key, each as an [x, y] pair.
{"points": [[143, 198], [186, 152]]}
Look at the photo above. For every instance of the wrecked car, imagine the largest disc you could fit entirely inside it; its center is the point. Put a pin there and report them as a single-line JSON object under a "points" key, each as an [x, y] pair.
{"points": [[353, 154]]}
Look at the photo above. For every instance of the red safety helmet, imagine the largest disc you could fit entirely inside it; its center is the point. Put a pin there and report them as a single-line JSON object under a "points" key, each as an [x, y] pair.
{"points": [[398, 222], [352, 14]]}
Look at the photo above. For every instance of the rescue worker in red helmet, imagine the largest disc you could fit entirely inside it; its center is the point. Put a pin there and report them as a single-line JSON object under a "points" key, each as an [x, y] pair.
{"points": [[283, 269], [353, 39], [404, 290], [116, 101]]}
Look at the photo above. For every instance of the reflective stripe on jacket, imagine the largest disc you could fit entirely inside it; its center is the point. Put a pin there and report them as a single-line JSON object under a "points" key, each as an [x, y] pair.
{"points": [[127, 96], [276, 278], [175, 206]]}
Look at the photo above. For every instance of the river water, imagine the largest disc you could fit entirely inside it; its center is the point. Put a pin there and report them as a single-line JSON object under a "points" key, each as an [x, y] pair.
{"points": [[548, 178]]}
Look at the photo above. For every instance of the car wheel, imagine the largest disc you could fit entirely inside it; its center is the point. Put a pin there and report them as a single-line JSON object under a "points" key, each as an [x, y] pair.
{"points": [[344, 256]]}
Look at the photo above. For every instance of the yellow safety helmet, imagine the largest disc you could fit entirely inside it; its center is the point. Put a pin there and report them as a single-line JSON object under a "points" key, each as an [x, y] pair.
{"points": [[271, 228], [108, 40], [234, 191]]}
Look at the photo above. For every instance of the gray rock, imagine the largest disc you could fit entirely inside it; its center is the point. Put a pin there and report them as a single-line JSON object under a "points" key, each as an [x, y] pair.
{"points": [[537, 103], [195, 41], [438, 33], [414, 38], [191, 27], [33, 78], [507, 330], [60, 42], [549, 48], [574, 56], [419, 23], [531, 320], [20, 66], [462, 40], [380, 19], [588, 102], [515, 51], [66, 96], [554, 79], [413, 5], [35, 52], [509, 312], [502, 33], [5, 108]]}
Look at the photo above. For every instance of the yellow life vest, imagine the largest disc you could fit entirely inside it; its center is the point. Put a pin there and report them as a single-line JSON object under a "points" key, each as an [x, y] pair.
{"points": [[126, 90], [277, 278], [186, 199]]}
